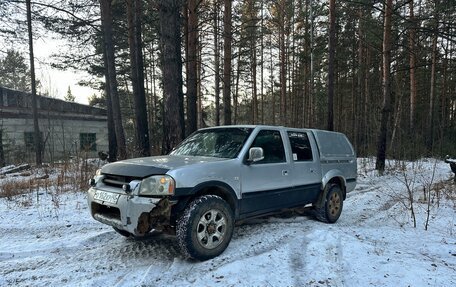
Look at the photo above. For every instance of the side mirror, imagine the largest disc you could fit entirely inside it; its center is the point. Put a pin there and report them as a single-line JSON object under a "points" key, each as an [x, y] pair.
{"points": [[255, 154]]}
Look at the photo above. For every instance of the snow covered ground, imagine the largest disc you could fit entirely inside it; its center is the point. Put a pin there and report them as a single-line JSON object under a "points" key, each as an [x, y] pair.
{"points": [[51, 240]]}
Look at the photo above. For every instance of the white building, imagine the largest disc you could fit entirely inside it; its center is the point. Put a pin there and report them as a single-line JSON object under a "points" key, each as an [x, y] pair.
{"points": [[67, 128]]}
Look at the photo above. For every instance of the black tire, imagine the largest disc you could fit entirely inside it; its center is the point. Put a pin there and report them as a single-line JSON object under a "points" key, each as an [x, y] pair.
{"points": [[122, 232], [205, 228], [332, 207]]}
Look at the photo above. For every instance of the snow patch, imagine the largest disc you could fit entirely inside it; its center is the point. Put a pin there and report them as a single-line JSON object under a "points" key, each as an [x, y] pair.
{"points": [[373, 243]]}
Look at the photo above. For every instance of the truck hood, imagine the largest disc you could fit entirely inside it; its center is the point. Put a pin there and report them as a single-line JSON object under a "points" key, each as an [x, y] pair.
{"points": [[147, 166]]}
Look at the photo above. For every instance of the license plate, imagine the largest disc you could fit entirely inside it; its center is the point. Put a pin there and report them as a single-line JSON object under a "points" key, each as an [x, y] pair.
{"points": [[106, 196]]}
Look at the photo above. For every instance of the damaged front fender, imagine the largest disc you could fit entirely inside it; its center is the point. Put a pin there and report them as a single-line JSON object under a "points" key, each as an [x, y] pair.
{"points": [[159, 218]]}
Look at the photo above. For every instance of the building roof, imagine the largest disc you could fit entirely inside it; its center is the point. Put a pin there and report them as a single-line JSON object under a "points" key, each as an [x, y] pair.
{"points": [[16, 104]]}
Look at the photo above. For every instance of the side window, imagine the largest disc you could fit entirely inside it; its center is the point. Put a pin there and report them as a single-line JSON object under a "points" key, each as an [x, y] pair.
{"points": [[272, 145], [300, 146]]}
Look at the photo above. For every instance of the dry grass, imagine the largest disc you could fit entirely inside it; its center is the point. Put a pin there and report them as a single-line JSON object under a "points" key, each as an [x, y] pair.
{"points": [[56, 179], [446, 189]]}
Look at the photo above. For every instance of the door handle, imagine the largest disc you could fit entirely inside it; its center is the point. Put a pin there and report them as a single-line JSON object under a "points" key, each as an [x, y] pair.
{"points": [[284, 172]]}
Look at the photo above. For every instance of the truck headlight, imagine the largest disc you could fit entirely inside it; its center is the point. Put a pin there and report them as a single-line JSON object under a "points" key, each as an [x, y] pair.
{"points": [[94, 181], [157, 185]]}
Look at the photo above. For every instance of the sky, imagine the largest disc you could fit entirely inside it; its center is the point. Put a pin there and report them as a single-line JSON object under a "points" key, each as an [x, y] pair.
{"points": [[46, 44], [54, 80]]}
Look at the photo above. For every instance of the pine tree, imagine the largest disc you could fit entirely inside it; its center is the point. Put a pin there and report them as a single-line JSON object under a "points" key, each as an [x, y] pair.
{"points": [[14, 72], [69, 97]]}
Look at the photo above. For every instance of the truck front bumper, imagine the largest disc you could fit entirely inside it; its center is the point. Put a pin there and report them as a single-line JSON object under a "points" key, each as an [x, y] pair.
{"points": [[452, 162], [123, 211]]}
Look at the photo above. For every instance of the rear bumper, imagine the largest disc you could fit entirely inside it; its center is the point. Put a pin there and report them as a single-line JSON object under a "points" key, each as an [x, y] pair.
{"points": [[130, 213]]}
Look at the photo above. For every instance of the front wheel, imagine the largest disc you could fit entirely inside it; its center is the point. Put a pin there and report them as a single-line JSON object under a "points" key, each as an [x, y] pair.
{"points": [[205, 228], [332, 207]]}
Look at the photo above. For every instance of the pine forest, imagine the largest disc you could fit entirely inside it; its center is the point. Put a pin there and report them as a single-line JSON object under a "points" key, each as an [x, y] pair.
{"points": [[382, 72]]}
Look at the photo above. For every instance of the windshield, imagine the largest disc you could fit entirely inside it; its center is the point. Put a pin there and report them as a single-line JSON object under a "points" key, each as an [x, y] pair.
{"points": [[220, 142]]}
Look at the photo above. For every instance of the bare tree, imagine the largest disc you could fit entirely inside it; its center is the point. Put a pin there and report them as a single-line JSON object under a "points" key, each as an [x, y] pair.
{"points": [[332, 51], [227, 38], [171, 64], [137, 75], [281, 19], [112, 140], [106, 22], [2, 153], [381, 143], [36, 128], [412, 61], [216, 62], [432, 92], [192, 72]]}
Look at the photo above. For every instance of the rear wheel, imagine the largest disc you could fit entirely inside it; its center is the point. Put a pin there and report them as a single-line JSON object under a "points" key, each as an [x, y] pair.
{"points": [[205, 228], [332, 207]]}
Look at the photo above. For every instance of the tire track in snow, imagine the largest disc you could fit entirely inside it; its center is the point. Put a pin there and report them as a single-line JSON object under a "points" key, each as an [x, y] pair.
{"points": [[297, 253], [249, 240], [102, 253], [324, 260]]}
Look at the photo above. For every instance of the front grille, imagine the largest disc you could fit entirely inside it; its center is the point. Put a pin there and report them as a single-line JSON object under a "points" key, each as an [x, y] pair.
{"points": [[117, 180]]}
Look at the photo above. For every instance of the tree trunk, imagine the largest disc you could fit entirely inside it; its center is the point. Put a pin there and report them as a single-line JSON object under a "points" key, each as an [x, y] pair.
{"points": [[381, 143], [171, 63], [253, 59], [444, 120], [271, 76], [236, 87], [192, 83], [217, 63], [398, 113], [360, 134], [367, 116], [430, 129], [306, 68], [227, 38], [262, 62], [36, 128], [199, 94], [137, 76], [2, 153], [112, 141], [283, 64], [106, 22], [332, 50], [412, 61], [312, 69], [154, 132], [254, 85]]}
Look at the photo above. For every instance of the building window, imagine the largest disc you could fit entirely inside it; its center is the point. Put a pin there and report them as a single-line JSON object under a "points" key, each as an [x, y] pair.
{"points": [[29, 140], [88, 141]]}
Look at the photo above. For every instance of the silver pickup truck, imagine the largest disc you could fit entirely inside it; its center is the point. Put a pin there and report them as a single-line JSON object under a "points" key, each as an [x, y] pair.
{"points": [[222, 175]]}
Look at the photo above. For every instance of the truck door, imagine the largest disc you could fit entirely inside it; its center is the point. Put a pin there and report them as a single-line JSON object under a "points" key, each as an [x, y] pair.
{"points": [[306, 167], [264, 183]]}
